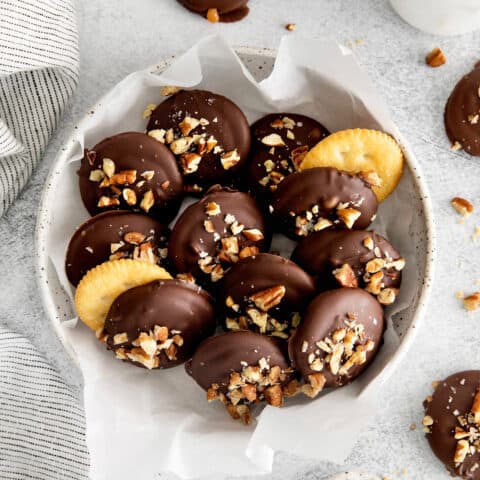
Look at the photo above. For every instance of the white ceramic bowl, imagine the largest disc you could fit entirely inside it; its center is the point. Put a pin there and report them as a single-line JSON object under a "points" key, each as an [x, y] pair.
{"points": [[260, 63]]}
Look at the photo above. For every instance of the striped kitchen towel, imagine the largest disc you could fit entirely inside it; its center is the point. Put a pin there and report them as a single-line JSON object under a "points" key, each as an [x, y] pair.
{"points": [[38, 75], [42, 426]]}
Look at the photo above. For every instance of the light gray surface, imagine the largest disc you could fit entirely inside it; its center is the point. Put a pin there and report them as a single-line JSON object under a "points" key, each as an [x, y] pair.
{"points": [[120, 36]]}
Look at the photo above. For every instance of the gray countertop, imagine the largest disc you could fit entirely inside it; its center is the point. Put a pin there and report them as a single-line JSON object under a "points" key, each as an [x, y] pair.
{"points": [[121, 36]]}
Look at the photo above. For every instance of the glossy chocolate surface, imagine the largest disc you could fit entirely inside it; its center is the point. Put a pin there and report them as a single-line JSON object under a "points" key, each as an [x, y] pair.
{"points": [[217, 357], [266, 273], [462, 113], [451, 403], [322, 253], [191, 242], [227, 126], [185, 309], [321, 193], [330, 311], [114, 235], [229, 10], [156, 177], [270, 165]]}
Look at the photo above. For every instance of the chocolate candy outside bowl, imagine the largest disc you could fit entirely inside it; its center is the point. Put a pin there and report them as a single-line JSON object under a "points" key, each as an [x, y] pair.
{"points": [[218, 10]]}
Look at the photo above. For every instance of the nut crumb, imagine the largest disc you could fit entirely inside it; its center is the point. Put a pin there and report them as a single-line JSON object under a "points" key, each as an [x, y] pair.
{"points": [[435, 58], [472, 302], [462, 206], [291, 27]]}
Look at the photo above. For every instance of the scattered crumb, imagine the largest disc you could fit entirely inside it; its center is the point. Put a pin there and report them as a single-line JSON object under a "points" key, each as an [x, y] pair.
{"points": [[462, 206], [291, 27], [435, 58], [476, 234], [413, 426], [359, 41], [472, 302], [460, 294], [435, 384]]}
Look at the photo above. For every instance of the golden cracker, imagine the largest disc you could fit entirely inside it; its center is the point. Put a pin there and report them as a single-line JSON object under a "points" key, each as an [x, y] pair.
{"points": [[360, 150], [103, 284]]}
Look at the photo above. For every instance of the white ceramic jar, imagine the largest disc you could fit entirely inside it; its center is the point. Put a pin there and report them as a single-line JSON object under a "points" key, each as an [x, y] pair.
{"points": [[440, 17]]}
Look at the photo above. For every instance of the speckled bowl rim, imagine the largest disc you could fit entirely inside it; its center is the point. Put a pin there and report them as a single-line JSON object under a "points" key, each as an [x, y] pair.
{"points": [[42, 259]]}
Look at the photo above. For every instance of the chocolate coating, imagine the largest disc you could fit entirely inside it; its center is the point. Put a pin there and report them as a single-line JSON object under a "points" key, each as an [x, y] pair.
{"points": [[101, 237], [322, 253], [327, 313], [321, 193], [227, 125], [229, 10], [190, 241], [147, 158], [217, 357], [186, 310], [462, 113], [298, 134], [261, 274], [452, 401]]}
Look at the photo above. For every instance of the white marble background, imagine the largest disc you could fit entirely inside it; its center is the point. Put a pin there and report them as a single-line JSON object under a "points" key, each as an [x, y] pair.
{"points": [[120, 36]]}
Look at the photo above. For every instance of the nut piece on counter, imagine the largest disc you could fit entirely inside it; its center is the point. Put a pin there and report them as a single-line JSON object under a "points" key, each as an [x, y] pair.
{"points": [[472, 302], [435, 58], [291, 27], [462, 206]]}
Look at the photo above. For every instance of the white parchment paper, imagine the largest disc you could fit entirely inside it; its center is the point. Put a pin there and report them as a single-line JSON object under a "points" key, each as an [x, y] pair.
{"points": [[140, 423]]}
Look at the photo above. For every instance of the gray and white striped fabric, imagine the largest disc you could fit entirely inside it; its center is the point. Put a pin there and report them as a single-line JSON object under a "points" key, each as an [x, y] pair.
{"points": [[42, 426], [38, 75]]}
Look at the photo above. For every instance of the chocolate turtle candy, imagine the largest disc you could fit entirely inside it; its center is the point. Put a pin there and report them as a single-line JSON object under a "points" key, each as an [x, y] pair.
{"points": [[131, 171], [320, 198], [160, 324]]}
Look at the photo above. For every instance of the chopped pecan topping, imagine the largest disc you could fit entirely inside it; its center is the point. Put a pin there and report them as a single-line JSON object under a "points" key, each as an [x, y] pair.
{"points": [[348, 215], [105, 201], [129, 196], [269, 298], [188, 124], [273, 140], [158, 134], [108, 167], [96, 176], [148, 110], [168, 90], [345, 276], [148, 201], [230, 159], [190, 162], [253, 234]]}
